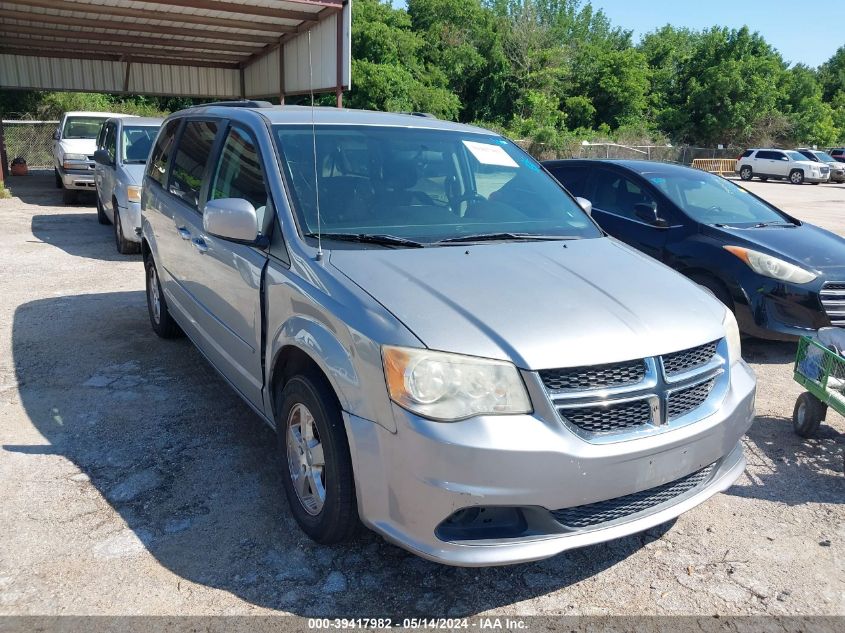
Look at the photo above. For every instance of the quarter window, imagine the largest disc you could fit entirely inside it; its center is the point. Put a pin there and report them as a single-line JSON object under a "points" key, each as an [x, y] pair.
{"points": [[239, 173], [190, 160], [160, 155], [109, 143]]}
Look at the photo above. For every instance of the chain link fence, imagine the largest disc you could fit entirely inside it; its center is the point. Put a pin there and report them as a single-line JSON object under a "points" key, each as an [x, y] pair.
{"points": [[681, 154], [30, 140]]}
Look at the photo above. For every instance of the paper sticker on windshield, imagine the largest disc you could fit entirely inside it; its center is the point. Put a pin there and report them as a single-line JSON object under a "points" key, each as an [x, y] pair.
{"points": [[487, 154]]}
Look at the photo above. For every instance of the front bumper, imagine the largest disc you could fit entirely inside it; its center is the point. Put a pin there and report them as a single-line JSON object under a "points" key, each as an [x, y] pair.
{"points": [[130, 221], [78, 179], [411, 481], [774, 310]]}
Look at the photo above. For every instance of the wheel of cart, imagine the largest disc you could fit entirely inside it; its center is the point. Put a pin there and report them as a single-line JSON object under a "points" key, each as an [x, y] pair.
{"points": [[821, 372]]}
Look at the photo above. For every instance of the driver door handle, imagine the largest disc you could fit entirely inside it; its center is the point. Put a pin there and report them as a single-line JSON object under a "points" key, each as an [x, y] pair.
{"points": [[200, 245], [183, 232]]}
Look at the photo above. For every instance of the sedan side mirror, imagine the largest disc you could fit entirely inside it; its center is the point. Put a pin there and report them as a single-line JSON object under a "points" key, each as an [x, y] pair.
{"points": [[648, 214], [586, 205], [101, 157], [232, 219]]}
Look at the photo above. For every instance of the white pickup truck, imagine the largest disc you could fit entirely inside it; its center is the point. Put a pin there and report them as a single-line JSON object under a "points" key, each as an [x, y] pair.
{"points": [[74, 143]]}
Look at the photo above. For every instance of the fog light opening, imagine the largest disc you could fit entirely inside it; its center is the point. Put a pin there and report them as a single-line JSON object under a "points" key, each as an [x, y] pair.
{"points": [[483, 523]]}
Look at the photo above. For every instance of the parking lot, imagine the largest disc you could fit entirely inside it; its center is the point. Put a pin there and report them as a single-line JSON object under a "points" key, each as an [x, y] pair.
{"points": [[134, 481]]}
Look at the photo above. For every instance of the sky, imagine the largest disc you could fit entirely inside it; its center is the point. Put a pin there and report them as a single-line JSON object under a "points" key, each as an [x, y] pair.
{"points": [[803, 32]]}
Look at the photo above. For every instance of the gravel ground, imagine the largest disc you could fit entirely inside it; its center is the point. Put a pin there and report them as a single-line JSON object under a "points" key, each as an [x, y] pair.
{"points": [[135, 482]]}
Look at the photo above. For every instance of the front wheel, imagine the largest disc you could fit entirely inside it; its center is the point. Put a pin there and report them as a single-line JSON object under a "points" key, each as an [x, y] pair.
{"points": [[808, 415], [317, 469], [745, 173], [124, 246], [796, 177], [160, 318]]}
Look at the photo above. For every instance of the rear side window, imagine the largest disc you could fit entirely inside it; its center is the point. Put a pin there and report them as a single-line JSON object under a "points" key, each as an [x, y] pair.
{"points": [[190, 160], [160, 156], [747, 153], [574, 178]]}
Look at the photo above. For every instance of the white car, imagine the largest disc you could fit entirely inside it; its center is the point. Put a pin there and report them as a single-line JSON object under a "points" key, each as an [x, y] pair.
{"points": [[780, 164], [74, 143]]}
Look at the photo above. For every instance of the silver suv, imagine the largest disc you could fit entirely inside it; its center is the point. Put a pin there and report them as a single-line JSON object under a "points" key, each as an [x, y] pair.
{"points": [[780, 164], [448, 347]]}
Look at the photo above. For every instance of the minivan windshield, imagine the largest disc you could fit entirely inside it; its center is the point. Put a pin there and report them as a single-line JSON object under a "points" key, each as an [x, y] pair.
{"points": [[423, 185], [710, 199], [137, 141], [82, 127]]}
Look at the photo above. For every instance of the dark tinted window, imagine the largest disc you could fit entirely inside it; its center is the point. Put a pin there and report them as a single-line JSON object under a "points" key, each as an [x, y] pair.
{"points": [[573, 177], [620, 195], [110, 140], [160, 155], [809, 155], [747, 153], [190, 160], [837, 152], [239, 173]]}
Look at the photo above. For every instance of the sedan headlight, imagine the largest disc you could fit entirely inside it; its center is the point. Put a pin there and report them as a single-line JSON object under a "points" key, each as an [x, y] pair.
{"points": [[133, 193], [732, 337], [773, 267], [451, 387]]}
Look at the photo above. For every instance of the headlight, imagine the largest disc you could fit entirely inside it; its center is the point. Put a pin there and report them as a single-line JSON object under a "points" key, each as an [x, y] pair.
{"points": [[81, 157], [732, 337], [772, 266], [133, 193], [451, 387]]}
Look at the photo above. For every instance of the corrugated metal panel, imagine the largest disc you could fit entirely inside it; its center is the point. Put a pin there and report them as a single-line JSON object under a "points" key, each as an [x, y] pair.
{"points": [[262, 76], [185, 81], [47, 73]]}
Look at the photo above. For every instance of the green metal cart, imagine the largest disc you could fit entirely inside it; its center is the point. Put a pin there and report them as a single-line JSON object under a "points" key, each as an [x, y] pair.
{"points": [[821, 372]]}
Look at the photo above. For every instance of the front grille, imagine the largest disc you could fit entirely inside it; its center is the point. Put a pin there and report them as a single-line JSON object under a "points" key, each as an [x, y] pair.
{"points": [[595, 377], [594, 514], [833, 300], [685, 400], [610, 418], [688, 359]]}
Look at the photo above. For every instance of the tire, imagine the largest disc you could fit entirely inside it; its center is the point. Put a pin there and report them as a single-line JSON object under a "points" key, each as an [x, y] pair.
{"points": [[808, 415], [745, 173], [102, 218], [69, 196], [796, 177], [124, 246], [58, 177], [322, 500], [160, 318]]}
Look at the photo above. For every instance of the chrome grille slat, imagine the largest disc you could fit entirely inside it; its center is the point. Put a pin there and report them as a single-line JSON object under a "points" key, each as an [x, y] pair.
{"points": [[595, 514], [832, 296], [594, 377]]}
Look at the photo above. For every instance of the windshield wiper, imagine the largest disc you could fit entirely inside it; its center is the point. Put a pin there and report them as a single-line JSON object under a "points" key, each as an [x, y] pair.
{"points": [[761, 225], [369, 238], [490, 237]]}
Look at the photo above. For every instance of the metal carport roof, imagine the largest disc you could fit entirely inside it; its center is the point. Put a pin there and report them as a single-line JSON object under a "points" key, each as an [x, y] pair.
{"points": [[196, 48]]}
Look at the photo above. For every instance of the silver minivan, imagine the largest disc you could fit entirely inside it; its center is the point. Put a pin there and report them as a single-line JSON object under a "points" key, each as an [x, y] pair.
{"points": [[449, 348], [121, 155]]}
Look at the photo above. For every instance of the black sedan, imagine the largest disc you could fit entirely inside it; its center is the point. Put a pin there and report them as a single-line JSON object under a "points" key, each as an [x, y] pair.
{"points": [[782, 277]]}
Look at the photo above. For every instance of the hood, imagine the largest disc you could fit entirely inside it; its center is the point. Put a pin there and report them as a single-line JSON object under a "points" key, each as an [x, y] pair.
{"points": [[85, 146], [134, 173], [539, 304], [806, 245]]}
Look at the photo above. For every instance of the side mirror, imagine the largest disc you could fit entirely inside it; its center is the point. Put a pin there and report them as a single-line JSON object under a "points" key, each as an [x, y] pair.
{"points": [[56, 135], [586, 205], [648, 214], [232, 219], [101, 157]]}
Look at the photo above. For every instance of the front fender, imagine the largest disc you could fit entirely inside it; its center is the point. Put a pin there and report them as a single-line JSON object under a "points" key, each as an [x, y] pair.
{"points": [[332, 356]]}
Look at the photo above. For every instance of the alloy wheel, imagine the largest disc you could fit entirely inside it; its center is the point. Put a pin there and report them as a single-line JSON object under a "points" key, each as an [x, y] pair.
{"points": [[306, 462]]}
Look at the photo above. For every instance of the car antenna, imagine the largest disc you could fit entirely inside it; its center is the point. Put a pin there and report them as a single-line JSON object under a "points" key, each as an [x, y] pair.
{"points": [[314, 141]]}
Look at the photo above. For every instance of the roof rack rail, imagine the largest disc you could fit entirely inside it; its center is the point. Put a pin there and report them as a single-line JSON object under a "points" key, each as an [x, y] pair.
{"points": [[242, 103], [426, 115]]}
